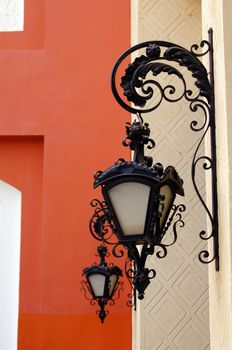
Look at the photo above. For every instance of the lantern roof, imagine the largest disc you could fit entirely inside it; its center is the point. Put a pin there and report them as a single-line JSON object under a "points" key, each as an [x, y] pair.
{"points": [[133, 169], [171, 178], [127, 169], [103, 269]]}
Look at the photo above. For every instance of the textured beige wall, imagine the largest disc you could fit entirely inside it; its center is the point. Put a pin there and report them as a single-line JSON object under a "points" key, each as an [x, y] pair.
{"points": [[217, 14], [174, 313]]}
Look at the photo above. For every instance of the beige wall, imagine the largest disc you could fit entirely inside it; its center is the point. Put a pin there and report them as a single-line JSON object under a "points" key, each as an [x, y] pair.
{"points": [[217, 14], [174, 313]]}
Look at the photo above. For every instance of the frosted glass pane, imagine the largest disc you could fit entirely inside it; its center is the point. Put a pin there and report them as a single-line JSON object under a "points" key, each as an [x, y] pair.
{"points": [[112, 281], [130, 201], [165, 204], [97, 282]]}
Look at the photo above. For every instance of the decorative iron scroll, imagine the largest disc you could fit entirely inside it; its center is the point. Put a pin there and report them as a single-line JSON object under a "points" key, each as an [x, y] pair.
{"points": [[132, 302], [102, 229], [101, 226], [144, 91], [102, 302]]}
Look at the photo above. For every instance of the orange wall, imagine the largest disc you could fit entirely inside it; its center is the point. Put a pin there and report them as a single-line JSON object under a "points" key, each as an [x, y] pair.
{"points": [[59, 124]]}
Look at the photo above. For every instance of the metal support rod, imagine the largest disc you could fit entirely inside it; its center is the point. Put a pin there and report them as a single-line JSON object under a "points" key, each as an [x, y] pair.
{"points": [[213, 156]]}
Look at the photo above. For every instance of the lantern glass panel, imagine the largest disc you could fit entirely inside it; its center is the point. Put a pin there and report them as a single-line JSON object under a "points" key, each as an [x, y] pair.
{"points": [[165, 204], [130, 202], [97, 282], [112, 283]]}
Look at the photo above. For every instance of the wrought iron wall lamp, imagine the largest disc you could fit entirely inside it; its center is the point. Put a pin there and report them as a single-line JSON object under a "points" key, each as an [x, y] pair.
{"points": [[138, 207]]}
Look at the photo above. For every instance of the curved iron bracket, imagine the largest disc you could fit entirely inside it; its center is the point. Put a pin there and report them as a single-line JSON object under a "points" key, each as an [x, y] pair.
{"points": [[141, 82]]}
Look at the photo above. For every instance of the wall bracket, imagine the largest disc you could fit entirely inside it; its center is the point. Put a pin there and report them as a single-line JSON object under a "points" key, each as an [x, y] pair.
{"points": [[141, 83]]}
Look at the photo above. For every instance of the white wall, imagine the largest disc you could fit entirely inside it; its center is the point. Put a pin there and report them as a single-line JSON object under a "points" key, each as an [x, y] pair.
{"points": [[10, 227]]}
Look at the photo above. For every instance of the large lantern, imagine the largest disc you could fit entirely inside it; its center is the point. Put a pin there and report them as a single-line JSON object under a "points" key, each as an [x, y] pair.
{"points": [[139, 196], [138, 199]]}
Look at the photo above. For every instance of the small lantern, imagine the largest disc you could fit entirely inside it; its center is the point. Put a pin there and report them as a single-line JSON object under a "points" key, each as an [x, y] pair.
{"points": [[102, 281]]}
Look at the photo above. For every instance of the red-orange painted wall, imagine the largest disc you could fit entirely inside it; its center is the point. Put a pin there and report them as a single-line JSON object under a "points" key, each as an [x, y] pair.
{"points": [[59, 124]]}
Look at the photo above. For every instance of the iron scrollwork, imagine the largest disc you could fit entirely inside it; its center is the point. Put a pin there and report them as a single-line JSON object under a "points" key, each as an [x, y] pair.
{"points": [[105, 227], [140, 84], [137, 274], [144, 91], [101, 226]]}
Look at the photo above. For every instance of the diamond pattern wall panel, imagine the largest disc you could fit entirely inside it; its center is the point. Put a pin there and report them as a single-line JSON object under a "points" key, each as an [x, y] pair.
{"points": [[174, 313]]}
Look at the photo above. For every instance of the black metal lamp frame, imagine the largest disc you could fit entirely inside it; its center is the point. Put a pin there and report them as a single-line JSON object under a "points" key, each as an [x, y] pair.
{"points": [[139, 84]]}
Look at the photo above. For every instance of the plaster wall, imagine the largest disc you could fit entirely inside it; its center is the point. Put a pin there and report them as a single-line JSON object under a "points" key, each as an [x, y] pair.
{"points": [[217, 15], [58, 120], [174, 314]]}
